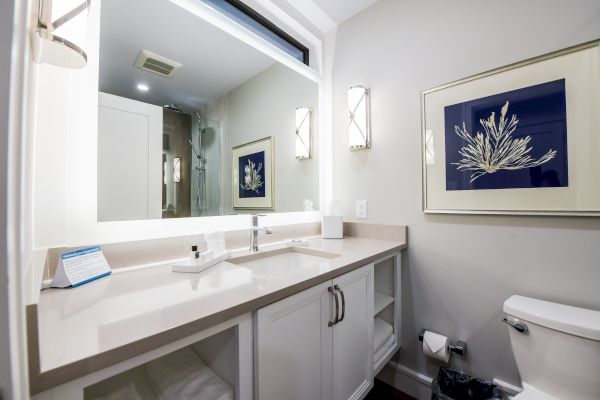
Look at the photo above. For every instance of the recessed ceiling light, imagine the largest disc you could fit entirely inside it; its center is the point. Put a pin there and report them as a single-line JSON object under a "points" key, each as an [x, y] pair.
{"points": [[142, 87]]}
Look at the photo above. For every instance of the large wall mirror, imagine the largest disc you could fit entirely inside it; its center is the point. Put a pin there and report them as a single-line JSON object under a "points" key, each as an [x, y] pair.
{"points": [[194, 122]]}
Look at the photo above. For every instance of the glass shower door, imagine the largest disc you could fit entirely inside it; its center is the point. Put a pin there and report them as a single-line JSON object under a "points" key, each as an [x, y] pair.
{"points": [[206, 168]]}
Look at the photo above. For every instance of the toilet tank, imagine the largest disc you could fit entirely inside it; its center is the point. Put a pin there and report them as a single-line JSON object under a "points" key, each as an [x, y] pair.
{"points": [[560, 353]]}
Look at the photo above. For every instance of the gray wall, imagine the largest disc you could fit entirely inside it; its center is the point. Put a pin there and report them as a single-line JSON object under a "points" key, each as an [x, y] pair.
{"points": [[458, 269], [265, 105]]}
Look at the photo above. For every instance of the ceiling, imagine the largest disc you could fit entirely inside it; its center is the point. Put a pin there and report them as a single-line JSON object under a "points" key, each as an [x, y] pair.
{"points": [[324, 15], [214, 62], [339, 10]]}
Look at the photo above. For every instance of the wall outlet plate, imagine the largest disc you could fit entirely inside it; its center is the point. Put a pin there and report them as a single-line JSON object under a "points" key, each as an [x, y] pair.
{"points": [[361, 209]]}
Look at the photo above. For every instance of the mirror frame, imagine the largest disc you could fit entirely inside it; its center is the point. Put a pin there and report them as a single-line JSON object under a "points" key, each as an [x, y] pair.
{"points": [[82, 227]]}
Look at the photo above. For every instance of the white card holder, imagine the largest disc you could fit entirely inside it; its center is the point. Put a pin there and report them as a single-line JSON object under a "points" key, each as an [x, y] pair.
{"points": [[75, 268]]}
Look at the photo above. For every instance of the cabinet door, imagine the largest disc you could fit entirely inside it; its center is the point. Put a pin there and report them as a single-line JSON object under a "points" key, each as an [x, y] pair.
{"points": [[293, 347], [353, 335]]}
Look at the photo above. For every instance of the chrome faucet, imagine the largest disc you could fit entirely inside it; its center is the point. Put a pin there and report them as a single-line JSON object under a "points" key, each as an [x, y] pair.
{"points": [[255, 229]]}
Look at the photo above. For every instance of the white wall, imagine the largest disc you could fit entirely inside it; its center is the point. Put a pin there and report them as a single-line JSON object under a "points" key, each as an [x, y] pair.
{"points": [[6, 20], [15, 197], [130, 148], [265, 105], [458, 269]]}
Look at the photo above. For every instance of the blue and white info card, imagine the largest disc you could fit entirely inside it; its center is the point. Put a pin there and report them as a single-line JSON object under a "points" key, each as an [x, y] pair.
{"points": [[81, 266]]}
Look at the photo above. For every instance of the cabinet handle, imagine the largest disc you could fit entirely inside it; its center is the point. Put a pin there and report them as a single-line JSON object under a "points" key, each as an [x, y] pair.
{"points": [[339, 289], [337, 307]]}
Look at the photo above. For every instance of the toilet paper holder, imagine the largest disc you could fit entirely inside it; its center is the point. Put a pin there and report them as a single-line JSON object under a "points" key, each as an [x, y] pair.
{"points": [[460, 348]]}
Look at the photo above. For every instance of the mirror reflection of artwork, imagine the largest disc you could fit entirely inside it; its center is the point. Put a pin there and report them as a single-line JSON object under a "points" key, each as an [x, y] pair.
{"points": [[516, 139], [252, 175]]}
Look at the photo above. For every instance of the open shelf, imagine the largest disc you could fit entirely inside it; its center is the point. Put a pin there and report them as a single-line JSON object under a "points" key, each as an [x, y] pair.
{"points": [[381, 301], [386, 298], [206, 368]]}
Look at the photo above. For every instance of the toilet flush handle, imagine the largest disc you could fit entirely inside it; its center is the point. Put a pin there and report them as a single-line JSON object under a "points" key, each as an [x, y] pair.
{"points": [[519, 326]]}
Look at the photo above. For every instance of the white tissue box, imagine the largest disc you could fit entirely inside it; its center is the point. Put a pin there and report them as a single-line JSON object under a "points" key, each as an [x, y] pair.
{"points": [[332, 227]]}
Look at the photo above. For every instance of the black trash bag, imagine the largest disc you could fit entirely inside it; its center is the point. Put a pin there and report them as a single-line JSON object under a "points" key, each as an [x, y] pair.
{"points": [[454, 385]]}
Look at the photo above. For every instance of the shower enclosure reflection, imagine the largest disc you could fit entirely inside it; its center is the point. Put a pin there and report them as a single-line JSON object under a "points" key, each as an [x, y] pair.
{"points": [[206, 169], [191, 165]]}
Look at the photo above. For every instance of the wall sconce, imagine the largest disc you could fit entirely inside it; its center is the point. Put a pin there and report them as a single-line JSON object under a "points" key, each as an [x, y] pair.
{"points": [[359, 135], [61, 33], [303, 132], [176, 169]]}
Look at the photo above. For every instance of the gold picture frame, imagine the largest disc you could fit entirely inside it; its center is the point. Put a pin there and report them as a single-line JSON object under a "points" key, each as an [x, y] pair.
{"points": [[579, 67]]}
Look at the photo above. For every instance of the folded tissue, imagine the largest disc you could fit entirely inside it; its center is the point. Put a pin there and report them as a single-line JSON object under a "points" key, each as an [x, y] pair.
{"points": [[296, 242], [332, 224]]}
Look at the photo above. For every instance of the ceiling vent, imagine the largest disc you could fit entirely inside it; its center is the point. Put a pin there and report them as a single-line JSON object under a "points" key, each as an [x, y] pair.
{"points": [[160, 65]]}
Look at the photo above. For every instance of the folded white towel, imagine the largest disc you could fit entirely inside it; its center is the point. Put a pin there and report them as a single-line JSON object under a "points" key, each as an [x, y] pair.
{"points": [[182, 375], [127, 392], [382, 330]]}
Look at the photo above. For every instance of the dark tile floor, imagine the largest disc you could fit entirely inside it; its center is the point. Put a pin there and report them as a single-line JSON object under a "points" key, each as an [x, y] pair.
{"points": [[383, 391]]}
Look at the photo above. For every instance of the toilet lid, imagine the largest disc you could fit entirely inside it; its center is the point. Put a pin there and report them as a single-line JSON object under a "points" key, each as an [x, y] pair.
{"points": [[533, 394]]}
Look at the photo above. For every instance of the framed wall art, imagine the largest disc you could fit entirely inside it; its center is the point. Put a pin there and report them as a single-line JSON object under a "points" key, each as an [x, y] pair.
{"points": [[252, 172], [521, 139]]}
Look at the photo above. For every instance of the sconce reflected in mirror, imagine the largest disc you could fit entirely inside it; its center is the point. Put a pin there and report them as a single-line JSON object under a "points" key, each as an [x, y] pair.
{"points": [[429, 152], [359, 135], [176, 169], [303, 132], [61, 32], [165, 170]]}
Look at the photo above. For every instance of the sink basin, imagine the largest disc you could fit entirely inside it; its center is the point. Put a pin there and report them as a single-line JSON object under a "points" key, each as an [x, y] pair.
{"points": [[287, 259]]}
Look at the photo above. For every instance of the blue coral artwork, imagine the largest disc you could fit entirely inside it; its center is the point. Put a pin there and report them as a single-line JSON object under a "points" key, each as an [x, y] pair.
{"points": [[516, 139], [252, 175]]}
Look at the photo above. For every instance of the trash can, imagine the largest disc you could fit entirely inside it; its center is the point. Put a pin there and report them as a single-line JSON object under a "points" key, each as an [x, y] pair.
{"points": [[451, 384]]}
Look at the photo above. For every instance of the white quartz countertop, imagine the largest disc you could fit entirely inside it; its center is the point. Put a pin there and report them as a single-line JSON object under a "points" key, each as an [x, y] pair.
{"points": [[125, 307]]}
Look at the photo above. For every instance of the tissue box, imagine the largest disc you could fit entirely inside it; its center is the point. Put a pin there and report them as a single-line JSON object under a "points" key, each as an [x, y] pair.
{"points": [[332, 227]]}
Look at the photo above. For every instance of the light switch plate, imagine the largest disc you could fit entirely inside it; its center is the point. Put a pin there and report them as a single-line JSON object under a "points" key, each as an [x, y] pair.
{"points": [[361, 209]]}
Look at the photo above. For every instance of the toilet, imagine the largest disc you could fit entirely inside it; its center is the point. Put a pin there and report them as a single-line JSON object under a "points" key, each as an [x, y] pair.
{"points": [[556, 348]]}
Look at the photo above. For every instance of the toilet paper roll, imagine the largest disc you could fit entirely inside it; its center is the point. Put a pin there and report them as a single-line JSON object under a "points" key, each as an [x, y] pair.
{"points": [[436, 346]]}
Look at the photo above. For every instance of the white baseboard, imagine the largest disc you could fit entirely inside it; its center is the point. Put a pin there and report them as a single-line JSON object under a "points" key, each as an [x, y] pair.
{"points": [[411, 373], [409, 381], [418, 385], [509, 388]]}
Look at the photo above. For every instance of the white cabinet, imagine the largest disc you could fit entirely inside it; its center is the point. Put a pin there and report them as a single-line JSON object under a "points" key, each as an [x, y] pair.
{"points": [[352, 335], [293, 346], [327, 342], [317, 344]]}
